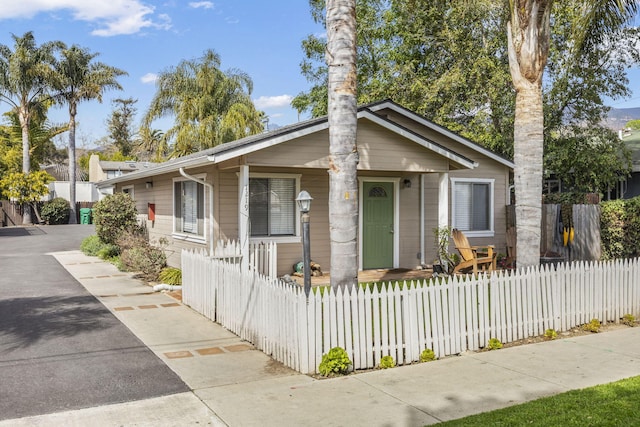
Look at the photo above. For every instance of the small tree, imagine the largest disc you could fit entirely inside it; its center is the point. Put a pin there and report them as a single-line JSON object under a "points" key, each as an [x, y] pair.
{"points": [[26, 188], [114, 215]]}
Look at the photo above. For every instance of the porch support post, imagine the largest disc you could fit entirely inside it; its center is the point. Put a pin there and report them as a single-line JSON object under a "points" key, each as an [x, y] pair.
{"points": [[243, 215], [422, 218], [443, 200]]}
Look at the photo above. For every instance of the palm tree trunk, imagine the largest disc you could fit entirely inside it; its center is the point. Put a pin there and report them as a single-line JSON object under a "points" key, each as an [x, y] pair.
{"points": [[528, 33], [343, 154], [72, 168], [23, 116], [528, 150]]}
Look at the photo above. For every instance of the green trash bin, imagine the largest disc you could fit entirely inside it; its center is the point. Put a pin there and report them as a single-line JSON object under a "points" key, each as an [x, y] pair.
{"points": [[85, 216]]}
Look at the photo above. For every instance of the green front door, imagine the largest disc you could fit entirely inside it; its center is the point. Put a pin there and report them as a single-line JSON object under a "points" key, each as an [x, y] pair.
{"points": [[377, 225]]}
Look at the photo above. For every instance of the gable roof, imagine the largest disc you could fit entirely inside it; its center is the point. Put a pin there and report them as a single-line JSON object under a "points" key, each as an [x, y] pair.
{"points": [[389, 104], [253, 143]]}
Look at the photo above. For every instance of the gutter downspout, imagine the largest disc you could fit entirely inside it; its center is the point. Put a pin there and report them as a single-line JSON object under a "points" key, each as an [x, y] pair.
{"points": [[422, 236], [210, 188]]}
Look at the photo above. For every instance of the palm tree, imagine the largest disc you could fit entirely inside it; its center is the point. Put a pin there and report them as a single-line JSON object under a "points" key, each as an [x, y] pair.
{"points": [[25, 75], [79, 79], [528, 34], [343, 153], [210, 106]]}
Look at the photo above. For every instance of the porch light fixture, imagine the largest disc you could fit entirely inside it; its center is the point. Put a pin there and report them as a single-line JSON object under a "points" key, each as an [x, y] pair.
{"points": [[304, 204], [304, 201], [148, 184]]}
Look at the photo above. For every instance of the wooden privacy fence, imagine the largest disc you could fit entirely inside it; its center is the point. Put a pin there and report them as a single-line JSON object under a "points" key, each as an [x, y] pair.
{"points": [[401, 320], [586, 223]]}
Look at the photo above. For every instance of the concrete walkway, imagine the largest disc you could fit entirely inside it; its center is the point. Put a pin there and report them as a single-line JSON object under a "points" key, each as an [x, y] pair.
{"points": [[234, 384]]}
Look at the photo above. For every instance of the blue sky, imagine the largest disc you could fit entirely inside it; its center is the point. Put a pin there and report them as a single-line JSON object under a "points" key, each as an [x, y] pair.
{"points": [[261, 38], [144, 37]]}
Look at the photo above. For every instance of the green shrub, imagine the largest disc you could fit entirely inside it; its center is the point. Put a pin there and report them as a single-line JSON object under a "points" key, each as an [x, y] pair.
{"points": [[146, 260], [494, 344], [593, 326], [91, 245], [427, 355], [108, 251], [550, 334], [56, 211], [114, 215], [387, 362], [629, 319], [171, 276], [620, 228], [336, 362]]}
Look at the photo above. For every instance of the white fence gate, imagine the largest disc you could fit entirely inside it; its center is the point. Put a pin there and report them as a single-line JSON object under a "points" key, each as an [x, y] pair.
{"points": [[263, 256], [402, 319]]}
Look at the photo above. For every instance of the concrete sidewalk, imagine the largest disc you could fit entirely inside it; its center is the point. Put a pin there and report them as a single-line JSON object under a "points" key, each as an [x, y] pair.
{"points": [[236, 385]]}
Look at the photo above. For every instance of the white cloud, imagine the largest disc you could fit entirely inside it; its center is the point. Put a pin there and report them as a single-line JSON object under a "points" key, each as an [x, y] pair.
{"points": [[111, 17], [201, 4], [149, 78], [231, 20], [278, 101]]}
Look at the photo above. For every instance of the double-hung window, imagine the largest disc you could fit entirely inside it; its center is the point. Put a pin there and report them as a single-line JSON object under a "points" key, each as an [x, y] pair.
{"points": [[272, 205], [188, 199], [472, 206]]}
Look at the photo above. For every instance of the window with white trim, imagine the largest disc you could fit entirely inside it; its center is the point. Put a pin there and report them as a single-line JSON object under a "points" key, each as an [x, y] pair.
{"points": [[128, 189], [272, 206], [188, 199], [472, 206]]}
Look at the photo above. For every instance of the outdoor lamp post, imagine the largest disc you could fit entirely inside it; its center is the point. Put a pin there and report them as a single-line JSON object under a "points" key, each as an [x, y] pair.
{"points": [[304, 204]]}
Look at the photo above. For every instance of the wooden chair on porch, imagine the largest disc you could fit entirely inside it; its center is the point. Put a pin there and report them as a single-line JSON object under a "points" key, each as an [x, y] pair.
{"points": [[473, 256]]}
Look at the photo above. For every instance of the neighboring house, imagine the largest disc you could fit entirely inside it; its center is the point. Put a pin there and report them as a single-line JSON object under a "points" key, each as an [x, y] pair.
{"points": [[414, 176], [99, 170], [85, 191]]}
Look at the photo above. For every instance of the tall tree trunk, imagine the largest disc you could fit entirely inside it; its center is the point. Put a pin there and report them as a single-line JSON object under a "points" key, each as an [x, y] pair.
{"points": [[72, 165], [528, 42], [527, 154], [343, 153], [23, 116]]}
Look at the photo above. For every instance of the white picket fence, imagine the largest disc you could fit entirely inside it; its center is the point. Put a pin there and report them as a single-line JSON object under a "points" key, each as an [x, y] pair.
{"points": [[402, 319], [263, 256]]}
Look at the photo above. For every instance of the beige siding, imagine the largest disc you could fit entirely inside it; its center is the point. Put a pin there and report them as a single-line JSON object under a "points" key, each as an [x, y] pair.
{"points": [[382, 154], [161, 194], [379, 150]]}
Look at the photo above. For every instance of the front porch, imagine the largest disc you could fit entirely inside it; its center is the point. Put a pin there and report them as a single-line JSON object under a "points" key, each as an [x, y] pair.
{"points": [[374, 275]]}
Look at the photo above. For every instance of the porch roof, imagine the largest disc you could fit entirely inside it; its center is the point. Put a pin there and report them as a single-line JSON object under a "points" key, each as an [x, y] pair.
{"points": [[250, 144]]}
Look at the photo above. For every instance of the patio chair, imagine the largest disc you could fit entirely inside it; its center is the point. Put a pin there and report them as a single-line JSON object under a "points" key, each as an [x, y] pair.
{"points": [[473, 256]]}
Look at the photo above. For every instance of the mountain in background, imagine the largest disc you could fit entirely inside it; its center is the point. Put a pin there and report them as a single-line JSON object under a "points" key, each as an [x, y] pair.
{"points": [[618, 117]]}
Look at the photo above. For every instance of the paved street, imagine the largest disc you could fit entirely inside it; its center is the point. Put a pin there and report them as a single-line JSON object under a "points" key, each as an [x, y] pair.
{"points": [[60, 348]]}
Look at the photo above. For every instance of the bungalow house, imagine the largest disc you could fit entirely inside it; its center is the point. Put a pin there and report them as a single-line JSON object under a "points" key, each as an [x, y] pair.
{"points": [[413, 176]]}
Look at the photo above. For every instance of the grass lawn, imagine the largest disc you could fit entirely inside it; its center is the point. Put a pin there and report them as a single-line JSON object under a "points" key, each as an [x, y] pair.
{"points": [[614, 404]]}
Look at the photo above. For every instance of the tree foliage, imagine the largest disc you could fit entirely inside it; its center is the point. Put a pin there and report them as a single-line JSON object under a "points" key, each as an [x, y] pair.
{"points": [[209, 106], [571, 156], [76, 78], [448, 61], [41, 146], [25, 188], [120, 125]]}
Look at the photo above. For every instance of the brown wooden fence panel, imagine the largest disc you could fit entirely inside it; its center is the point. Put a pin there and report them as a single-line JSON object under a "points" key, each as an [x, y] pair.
{"points": [[11, 213], [586, 220]]}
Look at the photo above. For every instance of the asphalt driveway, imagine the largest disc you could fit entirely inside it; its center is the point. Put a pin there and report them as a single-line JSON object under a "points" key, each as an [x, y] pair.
{"points": [[60, 348]]}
